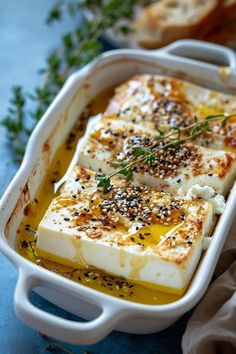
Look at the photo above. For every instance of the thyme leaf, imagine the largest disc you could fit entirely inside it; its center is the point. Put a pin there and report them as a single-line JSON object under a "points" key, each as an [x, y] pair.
{"points": [[139, 150], [127, 172], [104, 181]]}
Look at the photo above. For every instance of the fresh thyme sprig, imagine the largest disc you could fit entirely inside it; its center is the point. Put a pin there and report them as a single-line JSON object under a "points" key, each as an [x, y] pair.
{"points": [[77, 48], [162, 141], [15, 126]]}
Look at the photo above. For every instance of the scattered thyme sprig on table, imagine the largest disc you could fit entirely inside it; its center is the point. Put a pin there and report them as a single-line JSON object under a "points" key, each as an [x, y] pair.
{"points": [[162, 141], [77, 48]]}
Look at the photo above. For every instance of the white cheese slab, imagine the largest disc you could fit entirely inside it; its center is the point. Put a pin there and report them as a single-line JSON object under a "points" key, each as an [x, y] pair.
{"points": [[68, 235], [107, 142]]}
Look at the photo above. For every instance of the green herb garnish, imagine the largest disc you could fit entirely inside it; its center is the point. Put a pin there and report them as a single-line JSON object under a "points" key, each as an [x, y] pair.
{"points": [[162, 141]]}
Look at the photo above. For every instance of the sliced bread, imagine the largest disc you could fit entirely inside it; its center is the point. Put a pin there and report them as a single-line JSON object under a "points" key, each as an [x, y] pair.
{"points": [[163, 22]]}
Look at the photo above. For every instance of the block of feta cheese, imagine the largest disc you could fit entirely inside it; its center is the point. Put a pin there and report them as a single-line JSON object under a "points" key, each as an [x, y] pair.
{"points": [[176, 169], [136, 232], [164, 102]]}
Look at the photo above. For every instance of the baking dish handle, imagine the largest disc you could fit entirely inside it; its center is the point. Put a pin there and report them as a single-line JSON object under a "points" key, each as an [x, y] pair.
{"points": [[66, 330], [202, 51]]}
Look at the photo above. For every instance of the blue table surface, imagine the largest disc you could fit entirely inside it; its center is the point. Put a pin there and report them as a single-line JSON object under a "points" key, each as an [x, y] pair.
{"points": [[25, 41]]}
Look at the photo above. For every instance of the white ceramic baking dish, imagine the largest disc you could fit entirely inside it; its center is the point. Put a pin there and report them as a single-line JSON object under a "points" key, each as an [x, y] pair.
{"points": [[103, 312]]}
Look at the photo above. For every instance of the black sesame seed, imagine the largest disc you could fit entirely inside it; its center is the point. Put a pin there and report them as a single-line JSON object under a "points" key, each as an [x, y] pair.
{"points": [[72, 135], [24, 244]]}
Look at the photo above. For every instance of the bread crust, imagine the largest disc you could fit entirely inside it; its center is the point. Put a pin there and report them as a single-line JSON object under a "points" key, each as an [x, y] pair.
{"points": [[228, 11], [164, 22]]}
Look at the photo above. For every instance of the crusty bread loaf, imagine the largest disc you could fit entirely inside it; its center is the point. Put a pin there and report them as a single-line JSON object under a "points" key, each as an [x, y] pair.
{"points": [[168, 20]]}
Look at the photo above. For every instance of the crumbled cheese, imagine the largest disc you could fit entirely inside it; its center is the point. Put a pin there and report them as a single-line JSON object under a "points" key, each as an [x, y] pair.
{"points": [[202, 192], [218, 203], [208, 194]]}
